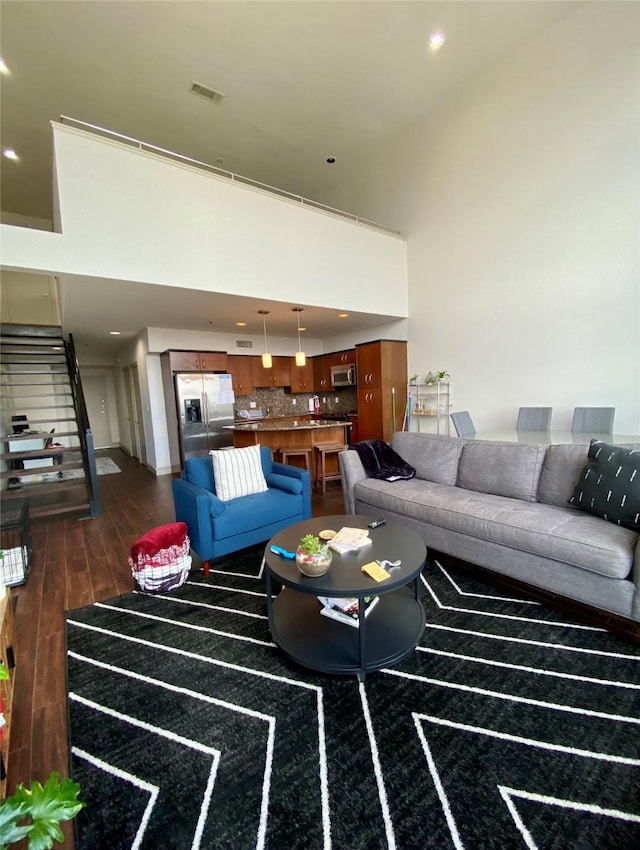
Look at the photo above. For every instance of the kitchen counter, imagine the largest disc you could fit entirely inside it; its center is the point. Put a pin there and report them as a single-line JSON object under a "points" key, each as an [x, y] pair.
{"points": [[299, 433], [265, 425]]}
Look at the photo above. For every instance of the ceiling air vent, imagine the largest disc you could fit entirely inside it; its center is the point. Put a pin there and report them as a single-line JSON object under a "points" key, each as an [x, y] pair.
{"points": [[244, 343], [206, 92]]}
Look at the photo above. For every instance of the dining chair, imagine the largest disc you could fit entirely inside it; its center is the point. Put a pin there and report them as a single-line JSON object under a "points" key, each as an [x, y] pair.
{"points": [[534, 419], [463, 423], [593, 420]]}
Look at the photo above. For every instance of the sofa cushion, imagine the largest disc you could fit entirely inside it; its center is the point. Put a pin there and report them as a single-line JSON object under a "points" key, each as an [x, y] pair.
{"points": [[609, 485], [504, 469], [238, 472], [561, 535], [560, 473], [434, 458]]}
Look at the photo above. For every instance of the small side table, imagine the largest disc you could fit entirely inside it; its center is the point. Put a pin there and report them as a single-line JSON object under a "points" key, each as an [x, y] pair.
{"points": [[15, 539]]}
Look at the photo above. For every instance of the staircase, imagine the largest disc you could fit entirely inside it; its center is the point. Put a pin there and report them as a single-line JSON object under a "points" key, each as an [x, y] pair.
{"points": [[52, 464]]}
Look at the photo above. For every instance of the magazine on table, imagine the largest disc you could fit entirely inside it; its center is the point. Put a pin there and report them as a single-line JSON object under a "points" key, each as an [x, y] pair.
{"points": [[346, 610], [349, 540]]}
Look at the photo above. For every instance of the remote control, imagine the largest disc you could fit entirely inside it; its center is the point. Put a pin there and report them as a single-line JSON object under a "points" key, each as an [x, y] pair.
{"points": [[376, 523]]}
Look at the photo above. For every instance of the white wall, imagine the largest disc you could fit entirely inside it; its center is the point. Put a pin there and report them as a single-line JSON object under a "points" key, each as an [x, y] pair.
{"points": [[520, 202], [131, 215]]}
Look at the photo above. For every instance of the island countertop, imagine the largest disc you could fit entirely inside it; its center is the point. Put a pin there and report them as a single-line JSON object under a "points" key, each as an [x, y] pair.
{"points": [[278, 425], [298, 433]]}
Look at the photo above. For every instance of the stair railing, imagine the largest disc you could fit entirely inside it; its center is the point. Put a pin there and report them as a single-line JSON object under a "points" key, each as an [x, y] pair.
{"points": [[84, 428]]}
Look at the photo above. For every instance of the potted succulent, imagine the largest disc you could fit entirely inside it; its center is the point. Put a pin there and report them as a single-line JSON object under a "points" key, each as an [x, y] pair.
{"points": [[313, 557]]}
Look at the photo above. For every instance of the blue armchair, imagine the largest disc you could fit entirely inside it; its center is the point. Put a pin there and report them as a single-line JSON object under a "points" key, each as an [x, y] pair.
{"points": [[217, 528]]}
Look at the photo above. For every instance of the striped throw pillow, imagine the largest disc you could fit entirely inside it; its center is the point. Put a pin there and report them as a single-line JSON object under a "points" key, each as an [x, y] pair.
{"points": [[237, 472]]}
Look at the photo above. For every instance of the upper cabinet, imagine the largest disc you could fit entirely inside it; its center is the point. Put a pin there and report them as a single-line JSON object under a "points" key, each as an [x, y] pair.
{"points": [[322, 367], [279, 375], [321, 374], [239, 367], [382, 388], [197, 361], [302, 377]]}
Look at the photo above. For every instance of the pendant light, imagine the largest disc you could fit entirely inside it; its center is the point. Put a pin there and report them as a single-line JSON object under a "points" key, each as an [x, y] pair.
{"points": [[301, 358], [266, 357]]}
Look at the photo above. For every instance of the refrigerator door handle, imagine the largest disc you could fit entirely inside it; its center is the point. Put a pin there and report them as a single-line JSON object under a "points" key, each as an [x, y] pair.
{"points": [[205, 408]]}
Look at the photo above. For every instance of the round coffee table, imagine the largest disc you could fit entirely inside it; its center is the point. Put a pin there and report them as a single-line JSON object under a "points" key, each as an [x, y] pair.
{"points": [[392, 628]]}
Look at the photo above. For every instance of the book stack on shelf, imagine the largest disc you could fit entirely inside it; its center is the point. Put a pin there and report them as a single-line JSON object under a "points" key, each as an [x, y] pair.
{"points": [[349, 540], [346, 610]]}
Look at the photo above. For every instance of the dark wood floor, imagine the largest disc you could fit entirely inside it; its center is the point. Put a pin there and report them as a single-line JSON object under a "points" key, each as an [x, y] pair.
{"points": [[76, 563]]}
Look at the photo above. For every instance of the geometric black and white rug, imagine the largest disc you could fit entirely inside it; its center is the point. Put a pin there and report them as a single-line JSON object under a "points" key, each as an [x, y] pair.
{"points": [[510, 726]]}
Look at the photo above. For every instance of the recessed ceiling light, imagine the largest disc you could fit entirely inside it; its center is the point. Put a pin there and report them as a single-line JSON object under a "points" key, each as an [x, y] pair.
{"points": [[436, 40], [343, 315], [241, 324], [11, 154], [302, 329], [3, 67], [114, 333], [331, 160]]}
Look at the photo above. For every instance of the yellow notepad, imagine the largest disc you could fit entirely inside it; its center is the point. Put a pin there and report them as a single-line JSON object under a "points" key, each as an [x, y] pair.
{"points": [[375, 571]]}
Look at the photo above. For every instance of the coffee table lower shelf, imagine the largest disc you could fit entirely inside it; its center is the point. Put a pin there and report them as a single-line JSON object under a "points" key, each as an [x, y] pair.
{"points": [[392, 631]]}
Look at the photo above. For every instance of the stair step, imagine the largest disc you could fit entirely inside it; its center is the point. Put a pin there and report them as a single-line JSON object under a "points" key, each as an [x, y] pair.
{"points": [[39, 453], [22, 437], [25, 372], [41, 470], [17, 330], [41, 513], [44, 488]]}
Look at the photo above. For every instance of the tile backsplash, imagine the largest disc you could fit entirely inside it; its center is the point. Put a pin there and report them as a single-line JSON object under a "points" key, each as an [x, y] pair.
{"points": [[275, 401]]}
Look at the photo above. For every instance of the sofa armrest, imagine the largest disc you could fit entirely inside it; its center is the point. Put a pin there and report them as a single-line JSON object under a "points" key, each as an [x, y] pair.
{"points": [[301, 475], [196, 507], [352, 471]]}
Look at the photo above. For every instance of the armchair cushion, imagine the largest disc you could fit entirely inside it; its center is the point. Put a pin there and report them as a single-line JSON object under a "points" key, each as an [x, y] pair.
{"points": [[238, 472], [199, 474], [282, 482]]}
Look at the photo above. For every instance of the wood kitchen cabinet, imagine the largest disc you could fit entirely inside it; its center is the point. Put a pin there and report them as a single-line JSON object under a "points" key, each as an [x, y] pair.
{"points": [[302, 377], [321, 374], [239, 368], [382, 388], [279, 375], [197, 361], [322, 367]]}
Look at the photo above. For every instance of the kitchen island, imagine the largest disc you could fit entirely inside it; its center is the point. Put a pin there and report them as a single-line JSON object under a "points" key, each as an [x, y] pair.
{"points": [[289, 434]]}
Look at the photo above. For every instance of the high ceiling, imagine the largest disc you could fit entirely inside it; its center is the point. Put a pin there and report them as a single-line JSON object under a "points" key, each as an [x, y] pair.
{"points": [[302, 82]]}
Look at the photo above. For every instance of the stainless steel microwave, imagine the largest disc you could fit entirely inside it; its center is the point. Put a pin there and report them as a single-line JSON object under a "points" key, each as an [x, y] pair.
{"points": [[343, 376]]}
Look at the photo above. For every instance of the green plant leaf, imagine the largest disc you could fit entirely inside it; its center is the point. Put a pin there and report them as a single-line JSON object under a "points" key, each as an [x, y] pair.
{"points": [[11, 811], [46, 806], [4, 674]]}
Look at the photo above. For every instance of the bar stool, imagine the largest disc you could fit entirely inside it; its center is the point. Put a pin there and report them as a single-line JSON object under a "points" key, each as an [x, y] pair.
{"points": [[283, 454], [321, 474]]}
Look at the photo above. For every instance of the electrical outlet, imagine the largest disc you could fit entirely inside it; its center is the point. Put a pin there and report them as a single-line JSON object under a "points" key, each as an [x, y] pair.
{"points": [[324, 400], [337, 399], [294, 401], [252, 404]]}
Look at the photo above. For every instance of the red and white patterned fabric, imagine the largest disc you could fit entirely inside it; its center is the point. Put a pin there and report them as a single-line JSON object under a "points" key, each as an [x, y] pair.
{"points": [[160, 559]]}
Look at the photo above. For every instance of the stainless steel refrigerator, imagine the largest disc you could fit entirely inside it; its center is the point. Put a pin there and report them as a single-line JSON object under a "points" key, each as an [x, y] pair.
{"points": [[205, 405]]}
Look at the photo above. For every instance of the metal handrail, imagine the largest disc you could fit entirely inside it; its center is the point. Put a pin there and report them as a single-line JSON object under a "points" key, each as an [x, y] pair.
{"points": [[221, 172], [85, 434]]}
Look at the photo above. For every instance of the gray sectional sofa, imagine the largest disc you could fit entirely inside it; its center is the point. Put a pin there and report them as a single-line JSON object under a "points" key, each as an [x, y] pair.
{"points": [[504, 506]]}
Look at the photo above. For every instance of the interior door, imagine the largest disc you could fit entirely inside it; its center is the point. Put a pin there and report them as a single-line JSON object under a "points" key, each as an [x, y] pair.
{"points": [[95, 394]]}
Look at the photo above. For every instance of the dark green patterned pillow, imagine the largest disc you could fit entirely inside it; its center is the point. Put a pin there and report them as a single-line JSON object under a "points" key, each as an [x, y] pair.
{"points": [[609, 484]]}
